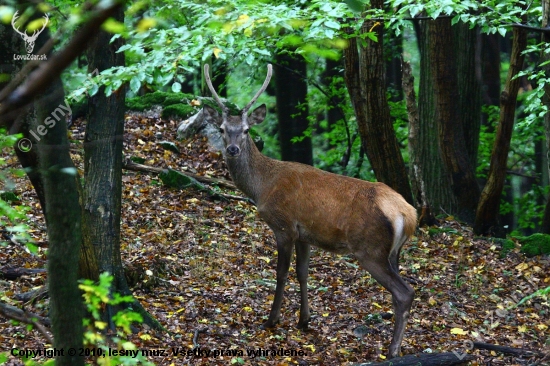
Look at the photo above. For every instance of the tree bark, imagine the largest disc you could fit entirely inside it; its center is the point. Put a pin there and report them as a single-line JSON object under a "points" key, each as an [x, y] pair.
{"points": [[292, 109], [366, 81], [13, 44], [60, 180], [487, 217], [103, 169], [451, 134], [469, 88], [394, 81], [546, 100], [439, 195], [415, 169]]}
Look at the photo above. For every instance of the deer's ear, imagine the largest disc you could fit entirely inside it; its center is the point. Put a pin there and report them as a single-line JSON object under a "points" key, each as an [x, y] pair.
{"points": [[258, 115], [211, 115]]}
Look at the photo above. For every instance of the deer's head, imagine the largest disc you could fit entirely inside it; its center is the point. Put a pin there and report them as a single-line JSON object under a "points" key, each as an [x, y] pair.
{"points": [[234, 129]]}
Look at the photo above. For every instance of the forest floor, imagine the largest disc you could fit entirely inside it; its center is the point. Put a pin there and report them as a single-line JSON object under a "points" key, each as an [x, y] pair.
{"points": [[205, 268]]}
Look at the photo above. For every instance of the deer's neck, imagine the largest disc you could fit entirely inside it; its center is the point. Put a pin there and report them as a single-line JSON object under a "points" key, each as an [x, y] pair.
{"points": [[249, 170]]}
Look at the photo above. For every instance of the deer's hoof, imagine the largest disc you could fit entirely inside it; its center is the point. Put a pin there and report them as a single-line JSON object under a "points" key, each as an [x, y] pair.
{"points": [[269, 324], [393, 353], [303, 325]]}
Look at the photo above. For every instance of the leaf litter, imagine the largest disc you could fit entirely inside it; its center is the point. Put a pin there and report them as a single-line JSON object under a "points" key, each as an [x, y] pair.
{"points": [[205, 269]]}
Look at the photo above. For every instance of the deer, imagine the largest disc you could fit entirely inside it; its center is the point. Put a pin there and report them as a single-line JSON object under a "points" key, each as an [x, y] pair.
{"points": [[29, 40], [306, 206]]}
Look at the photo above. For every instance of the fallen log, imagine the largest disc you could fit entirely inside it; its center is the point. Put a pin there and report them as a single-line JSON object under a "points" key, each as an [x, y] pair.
{"points": [[426, 359], [11, 312], [507, 350], [14, 273], [130, 165]]}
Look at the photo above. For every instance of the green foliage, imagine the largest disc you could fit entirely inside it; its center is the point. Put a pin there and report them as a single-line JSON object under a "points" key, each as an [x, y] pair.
{"points": [[97, 297], [398, 111], [543, 293], [535, 244], [12, 215], [486, 139], [491, 16]]}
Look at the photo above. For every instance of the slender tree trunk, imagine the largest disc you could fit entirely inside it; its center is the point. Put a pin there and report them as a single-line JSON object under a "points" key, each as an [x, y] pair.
{"points": [[368, 95], [60, 180], [55, 179], [292, 109], [489, 71], [451, 134], [332, 71], [394, 51], [13, 44], [28, 156], [546, 100], [103, 170], [487, 218]]}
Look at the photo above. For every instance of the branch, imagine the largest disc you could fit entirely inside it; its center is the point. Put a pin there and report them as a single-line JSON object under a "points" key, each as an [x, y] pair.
{"points": [[11, 312], [39, 79], [507, 350], [130, 165]]}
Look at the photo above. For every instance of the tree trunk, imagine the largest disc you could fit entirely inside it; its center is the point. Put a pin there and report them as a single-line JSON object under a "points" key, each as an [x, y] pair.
{"points": [[487, 218], [439, 195], [394, 81], [292, 109], [415, 166], [13, 44], [60, 181], [103, 169], [546, 100], [448, 116], [368, 96], [469, 88], [489, 71], [28, 156]]}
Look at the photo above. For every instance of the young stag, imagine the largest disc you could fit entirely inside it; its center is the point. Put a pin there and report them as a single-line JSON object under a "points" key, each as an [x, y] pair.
{"points": [[306, 206]]}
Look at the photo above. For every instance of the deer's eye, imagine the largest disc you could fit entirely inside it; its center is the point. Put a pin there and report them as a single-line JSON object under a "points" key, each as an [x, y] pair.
{"points": [[221, 130], [245, 131]]}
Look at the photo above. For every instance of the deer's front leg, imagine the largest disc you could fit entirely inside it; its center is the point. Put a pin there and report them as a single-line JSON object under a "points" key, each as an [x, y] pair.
{"points": [[302, 267], [284, 247]]}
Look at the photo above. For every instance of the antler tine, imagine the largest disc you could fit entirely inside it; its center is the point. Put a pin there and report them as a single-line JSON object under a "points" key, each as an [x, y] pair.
{"points": [[262, 89], [212, 90]]}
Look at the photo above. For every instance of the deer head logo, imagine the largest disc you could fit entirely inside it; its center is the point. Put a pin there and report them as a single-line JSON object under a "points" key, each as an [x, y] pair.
{"points": [[29, 40]]}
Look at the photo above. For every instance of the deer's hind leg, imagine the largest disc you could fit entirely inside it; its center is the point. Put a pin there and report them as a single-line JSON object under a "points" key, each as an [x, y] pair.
{"points": [[302, 268], [402, 296]]}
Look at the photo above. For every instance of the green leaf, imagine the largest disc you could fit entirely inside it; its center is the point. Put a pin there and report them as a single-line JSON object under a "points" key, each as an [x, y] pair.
{"points": [[355, 5], [135, 84], [176, 87], [112, 26], [372, 36], [332, 24]]}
